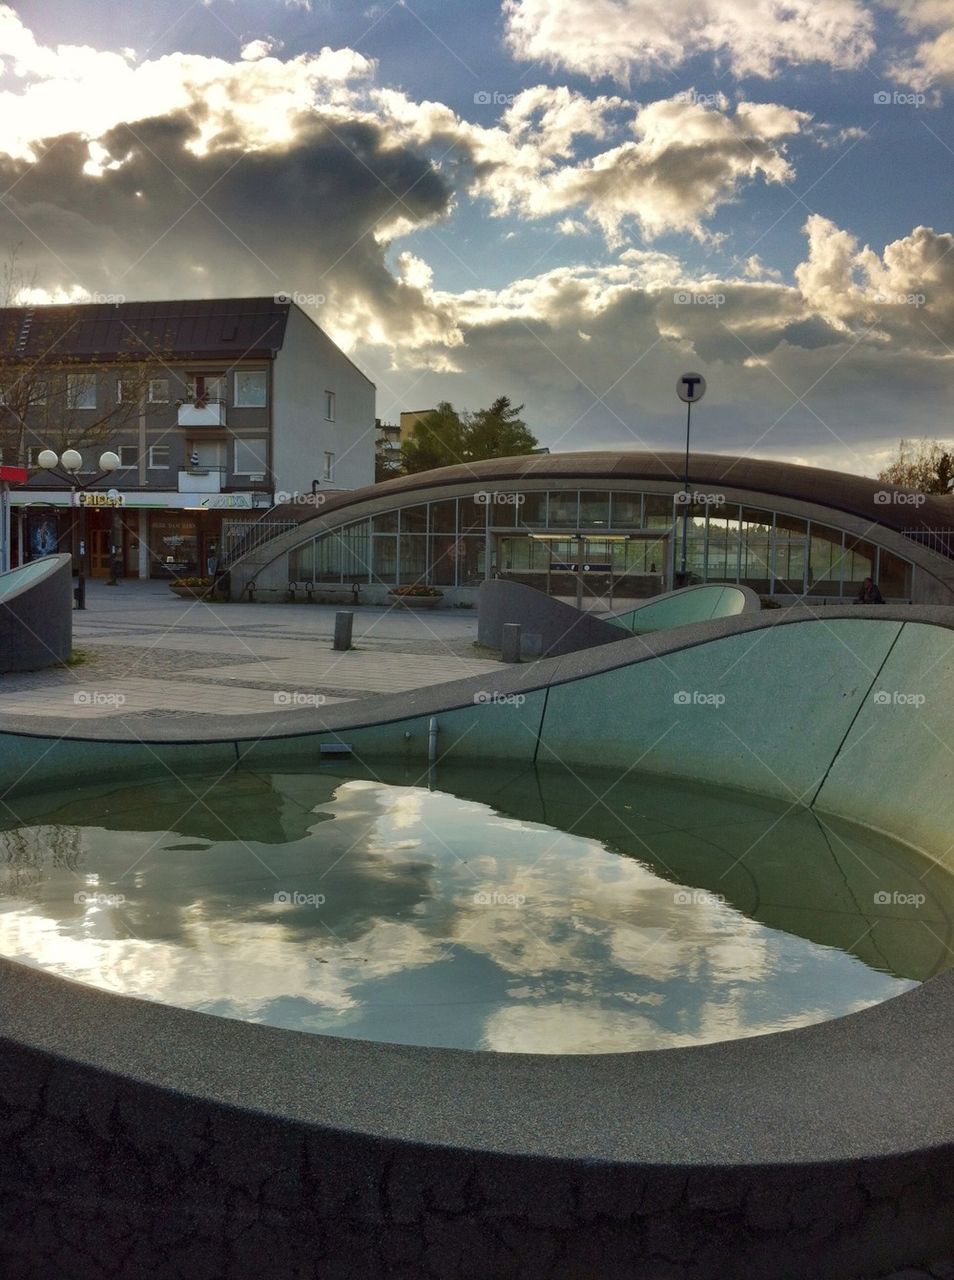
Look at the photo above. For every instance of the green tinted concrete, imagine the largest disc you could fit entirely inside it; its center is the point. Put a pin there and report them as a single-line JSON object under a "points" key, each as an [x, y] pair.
{"points": [[691, 604], [789, 696], [31, 763], [505, 730], [896, 769]]}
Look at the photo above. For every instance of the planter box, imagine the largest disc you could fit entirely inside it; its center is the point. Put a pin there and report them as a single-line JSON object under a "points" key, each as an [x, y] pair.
{"points": [[195, 593], [417, 602]]}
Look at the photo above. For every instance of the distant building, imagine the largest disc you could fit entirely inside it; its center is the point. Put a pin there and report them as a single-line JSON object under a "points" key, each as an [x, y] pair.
{"points": [[387, 449], [410, 419], [252, 404]]}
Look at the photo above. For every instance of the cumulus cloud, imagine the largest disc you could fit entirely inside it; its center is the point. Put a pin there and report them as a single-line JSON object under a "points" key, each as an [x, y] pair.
{"points": [[682, 160], [620, 38], [75, 89], [194, 176], [828, 368], [254, 50], [933, 59], [905, 295]]}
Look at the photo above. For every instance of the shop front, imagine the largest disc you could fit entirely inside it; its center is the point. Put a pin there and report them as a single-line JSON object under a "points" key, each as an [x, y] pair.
{"points": [[144, 535], [184, 544]]}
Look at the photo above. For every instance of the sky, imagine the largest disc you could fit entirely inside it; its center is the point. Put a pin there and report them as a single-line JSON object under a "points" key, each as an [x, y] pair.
{"points": [[568, 202]]}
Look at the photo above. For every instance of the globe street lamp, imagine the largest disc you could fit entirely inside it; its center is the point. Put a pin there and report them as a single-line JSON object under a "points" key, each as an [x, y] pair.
{"points": [[71, 462]]}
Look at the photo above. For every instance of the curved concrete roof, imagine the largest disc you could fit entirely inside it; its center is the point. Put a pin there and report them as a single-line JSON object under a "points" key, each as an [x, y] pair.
{"points": [[848, 493]]}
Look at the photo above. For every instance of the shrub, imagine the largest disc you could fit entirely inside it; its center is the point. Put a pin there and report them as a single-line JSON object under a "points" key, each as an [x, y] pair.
{"points": [[416, 589]]}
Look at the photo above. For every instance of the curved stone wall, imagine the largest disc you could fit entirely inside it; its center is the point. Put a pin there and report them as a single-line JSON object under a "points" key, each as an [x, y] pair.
{"points": [[138, 1139], [549, 627], [687, 605], [36, 614]]}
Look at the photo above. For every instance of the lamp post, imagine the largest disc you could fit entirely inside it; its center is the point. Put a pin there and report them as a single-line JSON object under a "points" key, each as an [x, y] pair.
{"points": [[72, 461], [690, 388]]}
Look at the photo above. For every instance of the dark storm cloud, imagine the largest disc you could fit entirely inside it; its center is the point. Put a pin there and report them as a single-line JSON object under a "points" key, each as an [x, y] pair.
{"points": [[167, 221]]}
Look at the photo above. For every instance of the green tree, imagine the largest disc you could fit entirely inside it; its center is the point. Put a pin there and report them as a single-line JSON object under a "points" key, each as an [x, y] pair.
{"points": [[436, 441], [924, 465], [446, 438]]}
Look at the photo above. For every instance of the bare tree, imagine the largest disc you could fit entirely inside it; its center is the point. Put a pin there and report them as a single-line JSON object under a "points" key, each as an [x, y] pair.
{"points": [[53, 397], [925, 465]]}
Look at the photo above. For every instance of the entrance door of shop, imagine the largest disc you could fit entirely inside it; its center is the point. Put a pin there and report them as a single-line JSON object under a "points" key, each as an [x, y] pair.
{"points": [[100, 554]]}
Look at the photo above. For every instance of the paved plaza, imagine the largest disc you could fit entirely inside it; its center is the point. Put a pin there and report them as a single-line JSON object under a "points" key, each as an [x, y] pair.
{"points": [[142, 650]]}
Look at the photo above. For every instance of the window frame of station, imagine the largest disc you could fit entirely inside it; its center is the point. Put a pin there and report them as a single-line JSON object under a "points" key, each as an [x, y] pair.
{"points": [[804, 540], [507, 521]]}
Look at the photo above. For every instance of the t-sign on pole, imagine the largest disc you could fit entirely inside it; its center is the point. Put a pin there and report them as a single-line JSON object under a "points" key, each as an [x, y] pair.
{"points": [[690, 389]]}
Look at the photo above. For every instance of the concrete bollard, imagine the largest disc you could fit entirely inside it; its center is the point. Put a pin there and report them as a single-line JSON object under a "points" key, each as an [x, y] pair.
{"points": [[343, 624], [510, 642]]}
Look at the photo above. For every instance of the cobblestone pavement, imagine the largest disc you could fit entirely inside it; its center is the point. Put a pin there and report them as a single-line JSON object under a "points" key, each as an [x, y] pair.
{"points": [[140, 649]]}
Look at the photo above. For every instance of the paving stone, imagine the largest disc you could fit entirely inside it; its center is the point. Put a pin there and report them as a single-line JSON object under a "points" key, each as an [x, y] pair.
{"points": [[145, 652]]}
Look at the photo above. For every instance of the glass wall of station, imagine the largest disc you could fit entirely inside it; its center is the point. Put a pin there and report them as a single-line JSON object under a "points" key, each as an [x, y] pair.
{"points": [[446, 544]]}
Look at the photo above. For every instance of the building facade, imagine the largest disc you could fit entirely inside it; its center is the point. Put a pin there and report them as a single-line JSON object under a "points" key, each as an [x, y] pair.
{"points": [[610, 526], [248, 404]]}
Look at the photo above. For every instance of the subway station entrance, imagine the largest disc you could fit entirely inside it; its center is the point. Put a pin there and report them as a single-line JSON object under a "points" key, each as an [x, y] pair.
{"points": [[592, 569]]}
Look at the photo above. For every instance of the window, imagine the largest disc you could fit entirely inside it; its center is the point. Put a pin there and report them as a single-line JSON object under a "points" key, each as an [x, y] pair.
{"points": [[81, 390], [594, 509], [209, 454], [627, 510], [39, 393], [159, 455], [250, 456], [329, 406], [204, 387], [158, 390], [329, 469], [564, 509], [129, 455], [250, 389]]}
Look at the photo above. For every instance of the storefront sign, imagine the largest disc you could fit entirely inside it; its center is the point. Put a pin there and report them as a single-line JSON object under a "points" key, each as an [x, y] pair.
{"points": [[140, 498], [228, 502], [110, 499]]}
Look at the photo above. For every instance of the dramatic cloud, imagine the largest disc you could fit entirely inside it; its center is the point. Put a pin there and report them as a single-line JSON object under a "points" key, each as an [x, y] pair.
{"points": [[620, 38], [688, 159], [165, 216], [796, 371], [75, 89], [194, 176]]}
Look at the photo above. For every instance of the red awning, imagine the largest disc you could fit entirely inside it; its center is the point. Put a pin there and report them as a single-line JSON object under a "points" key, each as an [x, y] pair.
{"points": [[13, 475]]}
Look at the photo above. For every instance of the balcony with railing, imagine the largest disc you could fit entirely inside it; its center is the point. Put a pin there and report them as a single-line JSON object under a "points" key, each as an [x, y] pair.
{"points": [[202, 413], [202, 479]]}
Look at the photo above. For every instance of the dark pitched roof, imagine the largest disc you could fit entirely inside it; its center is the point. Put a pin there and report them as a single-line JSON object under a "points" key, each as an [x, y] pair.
{"points": [[855, 495], [213, 328]]}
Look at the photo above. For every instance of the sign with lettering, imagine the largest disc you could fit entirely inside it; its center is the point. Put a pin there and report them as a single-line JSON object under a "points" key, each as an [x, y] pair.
{"points": [[228, 501], [691, 387], [94, 499]]}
